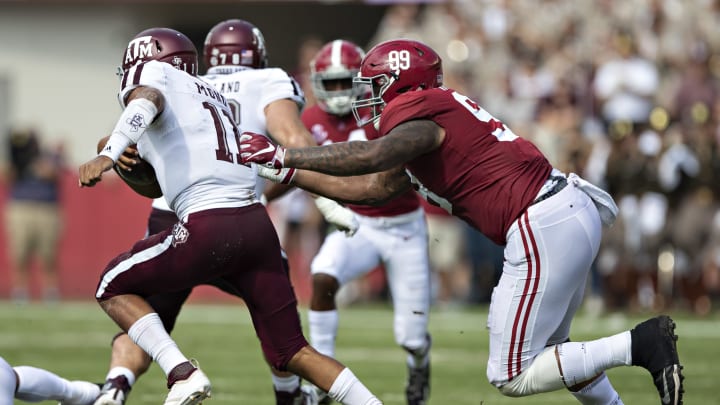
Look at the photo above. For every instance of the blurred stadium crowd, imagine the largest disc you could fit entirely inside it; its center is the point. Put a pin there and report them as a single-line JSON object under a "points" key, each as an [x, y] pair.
{"points": [[623, 92]]}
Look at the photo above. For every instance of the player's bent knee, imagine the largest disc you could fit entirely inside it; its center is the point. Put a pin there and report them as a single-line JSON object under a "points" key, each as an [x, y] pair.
{"points": [[325, 284], [279, 359], [543, 375]]}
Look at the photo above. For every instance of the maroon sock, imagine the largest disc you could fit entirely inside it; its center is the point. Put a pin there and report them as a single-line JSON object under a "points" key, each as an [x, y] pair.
{"points": [[180, 372]]}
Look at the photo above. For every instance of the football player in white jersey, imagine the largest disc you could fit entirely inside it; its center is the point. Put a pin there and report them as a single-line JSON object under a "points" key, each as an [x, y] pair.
{"points": [[267, 100], [33, 384], [185, 129]]}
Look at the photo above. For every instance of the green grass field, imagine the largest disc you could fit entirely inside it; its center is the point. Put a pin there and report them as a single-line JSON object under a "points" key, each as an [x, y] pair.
{"points": [[72, 339]]}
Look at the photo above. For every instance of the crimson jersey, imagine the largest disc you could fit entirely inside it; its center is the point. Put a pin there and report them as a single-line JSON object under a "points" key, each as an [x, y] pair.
{"points": [[482, 172], [329, 128]]}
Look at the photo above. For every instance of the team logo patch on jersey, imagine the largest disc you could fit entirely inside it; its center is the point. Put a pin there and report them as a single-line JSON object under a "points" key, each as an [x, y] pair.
{"points": [[180, 234], [136, 122]]}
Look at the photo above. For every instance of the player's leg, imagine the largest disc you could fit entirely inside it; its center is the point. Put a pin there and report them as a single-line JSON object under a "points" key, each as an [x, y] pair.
{"points": [[169, 261], [539, 292], [339, 260], [36, 384], [286, 385], [127, 360], [8, 383], [405, 254], [273, 308]]}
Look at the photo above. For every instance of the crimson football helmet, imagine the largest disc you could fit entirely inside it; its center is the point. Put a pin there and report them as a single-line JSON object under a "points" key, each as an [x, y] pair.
{"points": [[332, 71], [392, 68], [235, 43], [164, 45]]}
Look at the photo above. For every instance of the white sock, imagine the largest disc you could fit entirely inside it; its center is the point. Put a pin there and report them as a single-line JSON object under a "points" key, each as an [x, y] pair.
{"points": [[149, 333], [124, 371], [323, 330], [599, 392], [582, 361], [286, 384], [7, 383], [347, 389], [36, 384]]}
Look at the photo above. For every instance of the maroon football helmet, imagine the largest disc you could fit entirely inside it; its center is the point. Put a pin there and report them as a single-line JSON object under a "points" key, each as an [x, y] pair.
{"points": [[235, 43], [392, 68], [164, 45], [332, 71]]}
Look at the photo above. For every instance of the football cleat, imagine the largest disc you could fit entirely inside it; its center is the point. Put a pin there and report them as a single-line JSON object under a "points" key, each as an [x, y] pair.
{"points": [[304, 395], [114, 392], [82, 393], [188, 385], [417, 389], [654, 348]]}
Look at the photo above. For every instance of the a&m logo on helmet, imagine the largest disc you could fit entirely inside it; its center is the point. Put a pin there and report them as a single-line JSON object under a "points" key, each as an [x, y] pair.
{"points": [[139, 49]]}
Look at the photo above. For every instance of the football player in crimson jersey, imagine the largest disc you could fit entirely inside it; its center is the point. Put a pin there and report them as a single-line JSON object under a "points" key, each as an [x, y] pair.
{"points": [[185, 129], [465, 160], [393, 234], [262, 99], [32, 384]]}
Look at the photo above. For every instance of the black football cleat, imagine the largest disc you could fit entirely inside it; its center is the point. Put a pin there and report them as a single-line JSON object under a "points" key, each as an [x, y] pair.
{"points": [[654, 348]]}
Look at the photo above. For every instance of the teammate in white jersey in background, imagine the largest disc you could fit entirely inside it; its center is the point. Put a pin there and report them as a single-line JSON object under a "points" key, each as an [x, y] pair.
{"points": [[185, 129]]}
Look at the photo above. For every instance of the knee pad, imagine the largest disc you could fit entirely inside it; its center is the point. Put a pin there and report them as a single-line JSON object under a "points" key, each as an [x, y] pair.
{"points": [[543, 375]]}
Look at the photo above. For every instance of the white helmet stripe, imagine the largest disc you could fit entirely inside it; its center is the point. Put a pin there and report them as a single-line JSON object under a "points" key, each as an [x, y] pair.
{"points": [[336, 54]]}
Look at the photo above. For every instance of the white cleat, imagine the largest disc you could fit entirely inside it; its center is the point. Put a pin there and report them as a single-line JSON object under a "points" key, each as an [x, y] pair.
{"points": [[82, 393], [190, 391]]}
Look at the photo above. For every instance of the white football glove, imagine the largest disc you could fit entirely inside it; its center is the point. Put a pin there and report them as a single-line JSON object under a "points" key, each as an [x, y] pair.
{"points": [[284, 175], [338, 215]]}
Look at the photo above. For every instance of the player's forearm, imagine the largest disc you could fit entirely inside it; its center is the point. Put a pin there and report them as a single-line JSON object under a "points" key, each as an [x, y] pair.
{"points": [[340, 159], [343, 189]]}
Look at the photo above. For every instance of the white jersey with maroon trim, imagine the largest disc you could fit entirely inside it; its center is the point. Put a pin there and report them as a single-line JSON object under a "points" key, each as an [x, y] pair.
{"points": [[193, 143], [248, 91]]}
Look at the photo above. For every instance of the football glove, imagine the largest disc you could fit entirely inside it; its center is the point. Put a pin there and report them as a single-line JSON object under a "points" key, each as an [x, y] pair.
{"points": [[336, 214], [257, 148]]}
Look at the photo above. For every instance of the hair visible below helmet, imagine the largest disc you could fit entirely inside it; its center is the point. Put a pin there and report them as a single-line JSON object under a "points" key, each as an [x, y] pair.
{"points": [[163, 45], [392, 68], [235, 43], [332, 71]]}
